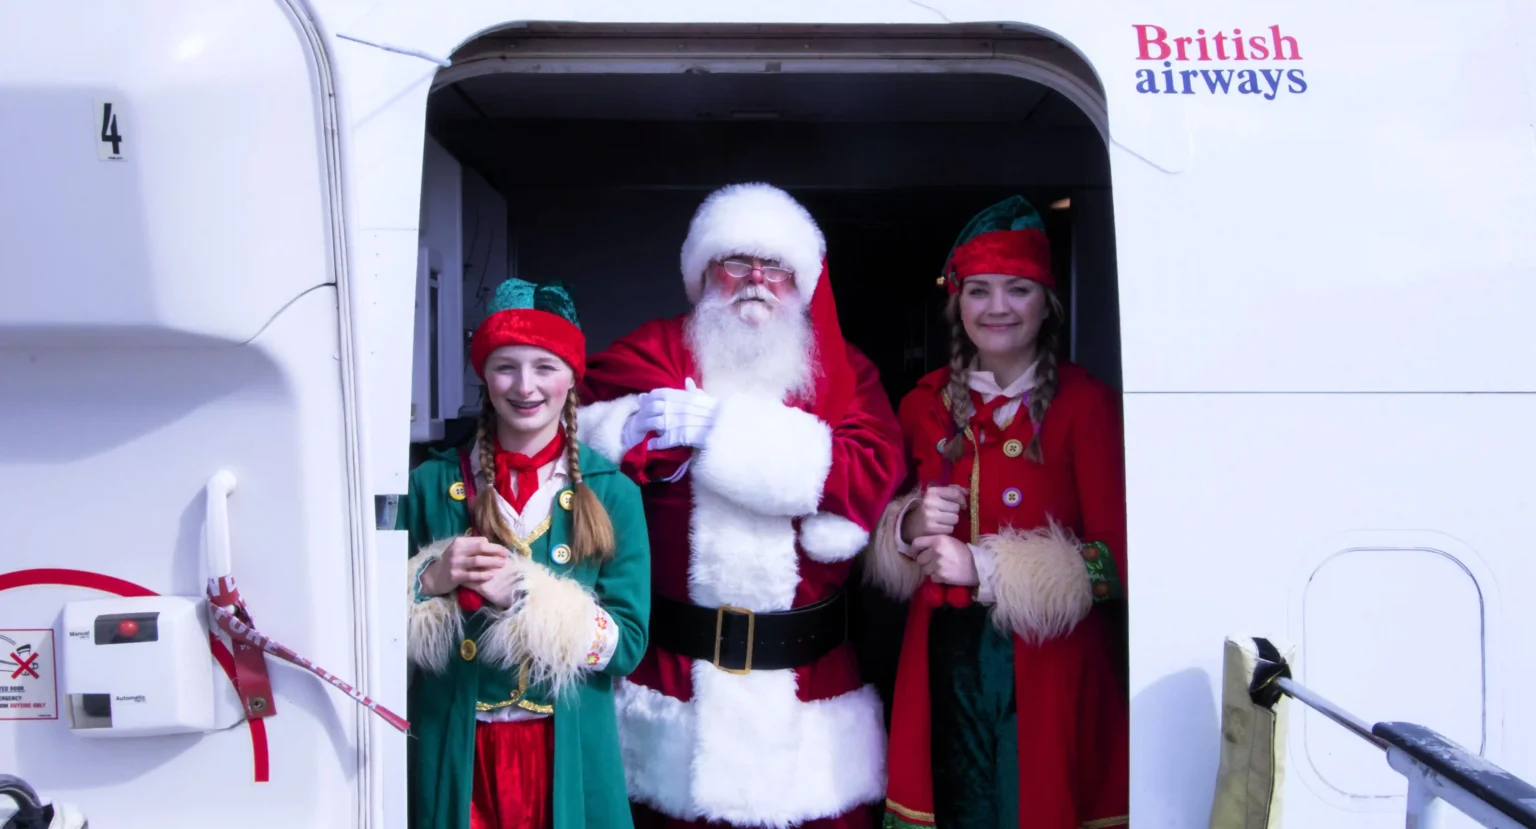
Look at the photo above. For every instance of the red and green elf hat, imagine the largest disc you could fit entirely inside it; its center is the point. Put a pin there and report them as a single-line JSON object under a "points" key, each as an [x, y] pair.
{"points": [[524, 313], [1006, 238]]}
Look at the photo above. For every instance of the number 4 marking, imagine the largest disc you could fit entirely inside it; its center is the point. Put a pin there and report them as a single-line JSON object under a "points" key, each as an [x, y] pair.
{"points": [[110, 140]]}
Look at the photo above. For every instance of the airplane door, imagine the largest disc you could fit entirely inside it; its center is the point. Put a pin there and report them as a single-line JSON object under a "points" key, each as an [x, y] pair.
{"points": [[172, 308]]}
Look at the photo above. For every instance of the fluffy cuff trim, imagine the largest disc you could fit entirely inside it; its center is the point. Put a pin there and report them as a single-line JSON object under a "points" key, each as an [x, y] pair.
{"points": [[434, 627], [552, 631], [765, 455], [1042, 588], [752, 220], [601, 425], [830, 538], [886, 567]]}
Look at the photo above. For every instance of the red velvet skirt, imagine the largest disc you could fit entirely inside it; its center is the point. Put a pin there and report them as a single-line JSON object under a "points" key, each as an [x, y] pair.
{"points": [[514, 775]]}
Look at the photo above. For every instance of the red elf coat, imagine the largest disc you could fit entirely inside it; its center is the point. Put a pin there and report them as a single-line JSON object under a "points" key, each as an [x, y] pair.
{"points": [[1072, 710]]}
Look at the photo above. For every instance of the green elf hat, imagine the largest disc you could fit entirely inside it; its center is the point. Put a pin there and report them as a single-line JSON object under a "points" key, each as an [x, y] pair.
{"points": [[1006, 238], [525, 313]]}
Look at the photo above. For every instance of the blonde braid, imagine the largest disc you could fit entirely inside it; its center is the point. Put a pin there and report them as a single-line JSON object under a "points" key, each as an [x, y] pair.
{"points": [[487, 518], [592, 528], [960, 407], [1045, 377]]}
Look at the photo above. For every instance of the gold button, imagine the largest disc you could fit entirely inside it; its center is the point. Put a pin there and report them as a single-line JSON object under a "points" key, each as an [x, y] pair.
{"points": [[456, 491], [565, 500], [560, 555], [467, 650], [1013, 448]]}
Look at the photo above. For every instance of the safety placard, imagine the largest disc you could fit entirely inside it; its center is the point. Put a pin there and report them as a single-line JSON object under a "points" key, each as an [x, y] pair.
{"points": [[28, 676]]}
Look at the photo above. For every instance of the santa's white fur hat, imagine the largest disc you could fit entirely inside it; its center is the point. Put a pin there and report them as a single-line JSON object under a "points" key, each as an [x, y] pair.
{"points": [[755, 220]]}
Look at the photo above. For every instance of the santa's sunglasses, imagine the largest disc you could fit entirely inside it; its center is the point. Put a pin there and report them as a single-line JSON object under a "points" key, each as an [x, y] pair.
{"points": [[739, 269]]}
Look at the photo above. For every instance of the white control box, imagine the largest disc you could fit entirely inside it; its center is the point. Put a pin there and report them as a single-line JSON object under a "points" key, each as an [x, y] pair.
{"points": [[138, 667]]}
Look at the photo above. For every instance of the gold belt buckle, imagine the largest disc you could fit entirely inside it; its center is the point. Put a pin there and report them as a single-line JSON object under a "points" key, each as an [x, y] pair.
{"points": [[720, 628]]}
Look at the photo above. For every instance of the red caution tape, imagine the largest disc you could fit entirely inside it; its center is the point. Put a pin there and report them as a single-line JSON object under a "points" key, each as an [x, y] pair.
{"points": [[230, 613]]}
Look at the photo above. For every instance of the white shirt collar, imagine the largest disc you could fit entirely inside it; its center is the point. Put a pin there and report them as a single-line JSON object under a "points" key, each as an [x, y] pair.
{"points": [[985, 384]]}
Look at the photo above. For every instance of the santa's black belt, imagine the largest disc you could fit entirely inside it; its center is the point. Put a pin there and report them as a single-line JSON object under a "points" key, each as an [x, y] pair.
{"points": [[739, 641]]}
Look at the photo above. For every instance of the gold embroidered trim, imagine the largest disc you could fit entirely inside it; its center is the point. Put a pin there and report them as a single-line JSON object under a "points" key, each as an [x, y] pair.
{"points": [[1103, 823], [524, 545], [517, 697], [909, 814]]}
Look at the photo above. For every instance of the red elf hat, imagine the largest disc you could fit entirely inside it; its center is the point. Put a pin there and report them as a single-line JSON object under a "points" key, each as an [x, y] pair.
{"points": [[523, 313], [1006, 238]]}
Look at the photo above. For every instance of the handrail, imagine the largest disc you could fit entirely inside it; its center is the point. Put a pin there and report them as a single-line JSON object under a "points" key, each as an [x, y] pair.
{"points": [[1315, 701], [1438, 770]]}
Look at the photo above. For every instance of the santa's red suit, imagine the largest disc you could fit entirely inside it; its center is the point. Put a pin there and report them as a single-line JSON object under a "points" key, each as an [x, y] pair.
{"points": [[766, 515]]}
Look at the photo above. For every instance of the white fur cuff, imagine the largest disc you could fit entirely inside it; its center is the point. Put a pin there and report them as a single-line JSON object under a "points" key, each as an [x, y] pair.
{"points": [[601, 425], [829, 538], [552, 632], [1041, 584], [766, 456], [434, 627], [886, 567]]}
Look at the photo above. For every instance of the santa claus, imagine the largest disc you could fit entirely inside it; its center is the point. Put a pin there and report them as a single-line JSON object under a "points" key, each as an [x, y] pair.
{"points": [[766, 450]]}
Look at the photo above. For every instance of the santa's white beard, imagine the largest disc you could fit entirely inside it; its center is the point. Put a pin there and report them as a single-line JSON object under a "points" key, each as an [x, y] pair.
{"points": [[772, 356]]}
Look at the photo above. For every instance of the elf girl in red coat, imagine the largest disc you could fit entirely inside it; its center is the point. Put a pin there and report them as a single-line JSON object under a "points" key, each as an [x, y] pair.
{"points": [[1009, 537]]}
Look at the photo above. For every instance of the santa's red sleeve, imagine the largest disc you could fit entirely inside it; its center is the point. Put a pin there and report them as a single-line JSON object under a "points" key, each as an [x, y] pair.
{"points": [[644, 360], [1098, 455], [781, 460]]}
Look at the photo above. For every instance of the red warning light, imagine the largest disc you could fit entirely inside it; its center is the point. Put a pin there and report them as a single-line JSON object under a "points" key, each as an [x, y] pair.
{"points": [[128, 628]]}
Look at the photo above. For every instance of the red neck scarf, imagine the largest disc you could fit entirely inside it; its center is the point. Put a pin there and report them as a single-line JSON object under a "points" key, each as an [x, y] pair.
{"points": [[525, 469]]}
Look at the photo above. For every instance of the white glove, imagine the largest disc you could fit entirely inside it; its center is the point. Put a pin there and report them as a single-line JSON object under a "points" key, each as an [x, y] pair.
{"points": [[634, 429], [682, 417]]}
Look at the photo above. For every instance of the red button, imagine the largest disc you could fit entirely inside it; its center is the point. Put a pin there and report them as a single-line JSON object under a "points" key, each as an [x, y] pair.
{"points": [[128, 628]]}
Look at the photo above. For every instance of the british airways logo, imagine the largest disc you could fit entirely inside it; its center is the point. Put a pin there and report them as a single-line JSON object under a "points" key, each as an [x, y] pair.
{"points": [[1218, 64]]}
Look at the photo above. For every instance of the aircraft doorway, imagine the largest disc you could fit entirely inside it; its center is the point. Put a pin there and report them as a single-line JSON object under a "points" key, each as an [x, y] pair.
{"points": [[587, 169]]}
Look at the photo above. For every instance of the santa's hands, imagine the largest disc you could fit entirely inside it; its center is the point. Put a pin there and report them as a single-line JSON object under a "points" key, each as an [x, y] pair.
{"points": [[936, 513], [680, 417], [470, 561], [946, 559]]}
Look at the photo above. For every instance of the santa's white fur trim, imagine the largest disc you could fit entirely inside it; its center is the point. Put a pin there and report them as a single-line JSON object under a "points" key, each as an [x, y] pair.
{"points": [[886, 567], [739, 556], [552, 632], [601, 425], [829, 538], [434, 627], [752, 220], [765, 455], [656, 741], [1042, 587], [747, 751]]}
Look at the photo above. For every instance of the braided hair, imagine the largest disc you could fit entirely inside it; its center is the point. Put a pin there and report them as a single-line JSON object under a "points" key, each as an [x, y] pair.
{"points": [[487, 518], [592, 536], [962, 350]]}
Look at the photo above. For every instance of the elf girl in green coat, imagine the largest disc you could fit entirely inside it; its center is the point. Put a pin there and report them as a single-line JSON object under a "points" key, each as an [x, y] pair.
{"points": [[529, 587]]}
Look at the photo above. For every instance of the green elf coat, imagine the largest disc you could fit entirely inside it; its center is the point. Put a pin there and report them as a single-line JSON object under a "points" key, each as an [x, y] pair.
{"points": [[461, 663]]}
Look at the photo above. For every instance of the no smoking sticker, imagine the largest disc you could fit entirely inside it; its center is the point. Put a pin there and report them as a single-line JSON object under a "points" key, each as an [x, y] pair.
{"points": [[28, 676]]}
